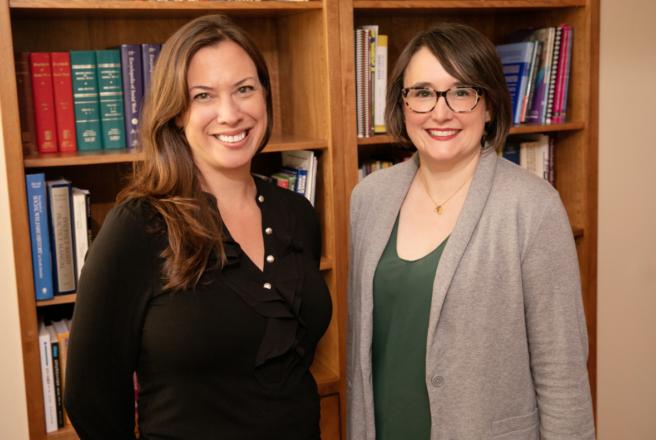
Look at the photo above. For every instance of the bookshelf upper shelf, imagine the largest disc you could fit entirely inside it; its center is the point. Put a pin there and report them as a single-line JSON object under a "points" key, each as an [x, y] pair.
{"points": [[276, 143], [152, 6], [464, 4]]}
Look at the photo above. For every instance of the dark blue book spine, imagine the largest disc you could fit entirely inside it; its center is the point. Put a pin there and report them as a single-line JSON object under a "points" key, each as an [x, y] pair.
{"points": [[132, 75], [39, 235], [149, 54]]}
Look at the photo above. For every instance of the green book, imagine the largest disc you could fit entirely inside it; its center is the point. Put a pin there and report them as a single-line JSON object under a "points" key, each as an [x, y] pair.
{"points": [[110, 86], [85, 99]]}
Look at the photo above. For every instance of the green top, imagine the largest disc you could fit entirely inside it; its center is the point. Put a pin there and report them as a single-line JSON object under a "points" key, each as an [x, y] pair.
{"points": [[402, 300]]}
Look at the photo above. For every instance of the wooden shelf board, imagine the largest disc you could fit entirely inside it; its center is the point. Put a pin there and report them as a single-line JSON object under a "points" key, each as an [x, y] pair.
{"points": [[66, 433], [463, 4], [327, 380], [276, 143], [152, 6], [383, 139]]}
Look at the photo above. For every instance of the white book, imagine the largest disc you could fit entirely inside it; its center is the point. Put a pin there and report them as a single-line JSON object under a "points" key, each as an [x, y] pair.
{"points": [[80, 226], [380, 84], [47, 379], [61, 228]]}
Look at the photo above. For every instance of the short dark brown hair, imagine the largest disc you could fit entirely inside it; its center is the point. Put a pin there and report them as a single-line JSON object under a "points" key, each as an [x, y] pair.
{"points": [[467, 55]]}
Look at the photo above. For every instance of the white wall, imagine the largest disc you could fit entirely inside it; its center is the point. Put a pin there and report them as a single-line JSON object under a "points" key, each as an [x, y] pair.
{"points": [[13, 406], [626, 405]]}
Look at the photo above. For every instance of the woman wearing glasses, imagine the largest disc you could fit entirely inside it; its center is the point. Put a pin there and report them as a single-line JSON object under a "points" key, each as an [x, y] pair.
{"points": [[465, 311]]}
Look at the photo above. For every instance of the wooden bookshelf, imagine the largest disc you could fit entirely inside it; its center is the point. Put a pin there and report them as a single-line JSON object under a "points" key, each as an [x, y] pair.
{"points": [[302, 51], [576, 161]]}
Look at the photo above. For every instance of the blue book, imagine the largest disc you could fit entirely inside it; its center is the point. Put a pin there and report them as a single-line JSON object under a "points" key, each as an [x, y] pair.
{"points": [[516, 60], [149, 54], [132, 76], [37, 207]]}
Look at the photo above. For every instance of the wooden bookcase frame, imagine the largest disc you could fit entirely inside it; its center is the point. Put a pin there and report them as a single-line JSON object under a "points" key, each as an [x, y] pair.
{"points": [[309, 48]]}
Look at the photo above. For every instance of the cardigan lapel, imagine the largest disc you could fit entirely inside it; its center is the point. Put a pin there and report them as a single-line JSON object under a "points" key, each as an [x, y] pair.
{"points": [[470, 215]]}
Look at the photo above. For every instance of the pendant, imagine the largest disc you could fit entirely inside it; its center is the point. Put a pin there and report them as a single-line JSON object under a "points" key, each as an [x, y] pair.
{"points": [[438, 209]]}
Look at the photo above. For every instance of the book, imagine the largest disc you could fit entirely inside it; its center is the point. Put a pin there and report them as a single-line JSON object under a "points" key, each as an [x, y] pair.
{"points": [[532, 75], [62, 331], [562, 81], [149, 54], [63, 92], [538, 107], [555, 57], [25, 102], [380, 85], [132, 75], [85, 99], [44, 102], [360, 65], [37, 207], [110, 90], [516, 60], [62, 239], [81, 226], [534, 155], [370, 107], [56, 375], [47, 379]]}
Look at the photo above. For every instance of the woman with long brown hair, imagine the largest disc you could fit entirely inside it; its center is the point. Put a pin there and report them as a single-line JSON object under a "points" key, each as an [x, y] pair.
{"points": [[204, 281]]}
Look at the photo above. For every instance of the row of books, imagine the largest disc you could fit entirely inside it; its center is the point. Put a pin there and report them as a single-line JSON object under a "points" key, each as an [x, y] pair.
{"points": [[537, 70], [60, 233], [83, 99], [534, 153], [298, 173], [53, 349], [370, 80]]}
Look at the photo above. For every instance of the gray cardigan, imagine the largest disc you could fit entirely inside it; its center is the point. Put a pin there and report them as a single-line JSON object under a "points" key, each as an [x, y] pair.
{"points": [[507, 345]]}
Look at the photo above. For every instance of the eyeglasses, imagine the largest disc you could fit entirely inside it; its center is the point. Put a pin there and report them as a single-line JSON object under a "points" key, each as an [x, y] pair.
{"points": [[458, 99]]}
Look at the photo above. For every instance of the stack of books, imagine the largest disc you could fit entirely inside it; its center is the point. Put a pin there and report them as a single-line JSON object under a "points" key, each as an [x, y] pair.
{"points": [[370, 80], [537, 69], [298, 173], [534, 153], [83, 99]]}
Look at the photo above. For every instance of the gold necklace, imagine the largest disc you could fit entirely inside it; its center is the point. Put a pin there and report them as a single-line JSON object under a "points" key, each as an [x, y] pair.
{"points": [[438, 206]]}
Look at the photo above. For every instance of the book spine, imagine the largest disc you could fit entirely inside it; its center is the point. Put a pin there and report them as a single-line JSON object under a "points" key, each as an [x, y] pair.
{"points": [[25, 103], [44, 102], [381, 85], [56, 376], [85, 99], [59, 200], [110, 88], [368, 126], [80, 226], [63, 91], [47, 379], [532, 77], [554, 74], [359, 86], [149, 54], [563, 75], [39, 236], [132, 74]]}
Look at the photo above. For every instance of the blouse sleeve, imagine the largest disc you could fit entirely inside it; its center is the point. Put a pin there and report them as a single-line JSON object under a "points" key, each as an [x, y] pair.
{"points": [[556, 328], [113, 291]]}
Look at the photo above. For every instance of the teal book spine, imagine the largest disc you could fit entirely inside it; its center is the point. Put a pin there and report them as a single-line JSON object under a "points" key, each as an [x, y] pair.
{"points": [[85, 100], [110, 86]]}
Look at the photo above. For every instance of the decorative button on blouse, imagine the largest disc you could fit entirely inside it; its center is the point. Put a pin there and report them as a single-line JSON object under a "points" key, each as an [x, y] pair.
{"points": [[270, 258], [267, 286], [268, 231], [260, 198]]}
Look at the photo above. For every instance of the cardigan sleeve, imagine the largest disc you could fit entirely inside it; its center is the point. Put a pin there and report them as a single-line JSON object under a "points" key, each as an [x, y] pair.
{"points": [[106, 329], [556, 327]]}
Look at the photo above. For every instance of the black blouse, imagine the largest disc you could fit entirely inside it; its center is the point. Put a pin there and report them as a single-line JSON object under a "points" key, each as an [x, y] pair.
{"points": [[227, 360]]}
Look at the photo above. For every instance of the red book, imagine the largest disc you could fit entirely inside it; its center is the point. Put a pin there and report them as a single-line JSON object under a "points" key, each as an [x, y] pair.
{"points": [[44, 102], [63, 92]]}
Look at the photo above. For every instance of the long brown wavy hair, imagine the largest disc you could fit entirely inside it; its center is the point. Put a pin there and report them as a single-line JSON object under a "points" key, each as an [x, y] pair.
{"points": [[167, 178]]}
